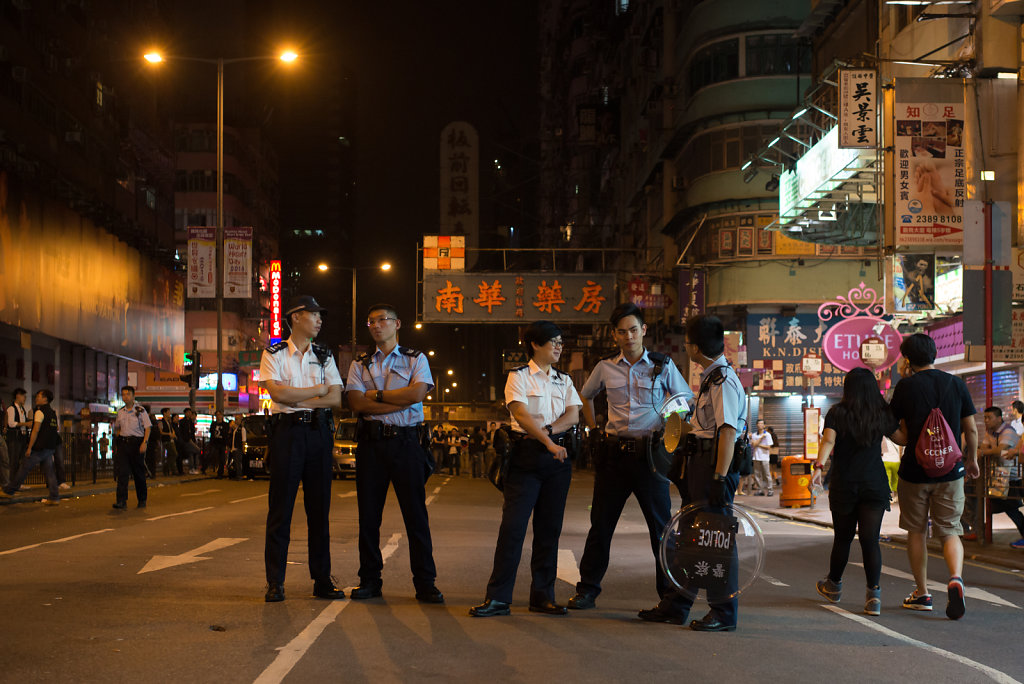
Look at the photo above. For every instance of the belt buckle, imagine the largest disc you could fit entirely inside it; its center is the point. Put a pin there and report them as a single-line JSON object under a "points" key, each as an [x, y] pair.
{"points": [[388, 431]]}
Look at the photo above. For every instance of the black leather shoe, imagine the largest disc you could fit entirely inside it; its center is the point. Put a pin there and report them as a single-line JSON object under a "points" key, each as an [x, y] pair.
{"points": [[656, 614], [490, 608], [366, 592], [142, 504], [582, 601], [326, 589], [710, 623], [548, 608], [120, 505], [275, 593], [431, 595]]}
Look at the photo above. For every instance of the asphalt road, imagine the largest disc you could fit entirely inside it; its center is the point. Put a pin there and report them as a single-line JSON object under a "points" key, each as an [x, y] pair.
{"points": [[175, 593]]}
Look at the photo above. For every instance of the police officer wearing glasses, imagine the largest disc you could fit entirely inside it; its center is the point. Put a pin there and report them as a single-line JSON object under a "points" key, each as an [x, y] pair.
{"points": [[387, 387], [637, 383], [720, 411], [545, 409], [304, 385]]}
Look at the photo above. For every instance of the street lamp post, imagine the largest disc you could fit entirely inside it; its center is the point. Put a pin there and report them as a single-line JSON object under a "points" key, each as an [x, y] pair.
{"points": [[155, 57], [323, 268]]}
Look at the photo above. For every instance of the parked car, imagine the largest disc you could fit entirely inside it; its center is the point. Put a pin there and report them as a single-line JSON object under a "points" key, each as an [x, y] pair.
{"points": [[256, 442], [345, 448]]}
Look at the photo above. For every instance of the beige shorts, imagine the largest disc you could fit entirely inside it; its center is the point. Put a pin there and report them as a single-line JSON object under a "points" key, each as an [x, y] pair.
{"points": [[943, 500]]}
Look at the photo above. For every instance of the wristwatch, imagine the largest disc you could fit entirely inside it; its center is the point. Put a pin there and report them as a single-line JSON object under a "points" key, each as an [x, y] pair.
{"points": [[379, 396], [717, 478], [548, 428]]}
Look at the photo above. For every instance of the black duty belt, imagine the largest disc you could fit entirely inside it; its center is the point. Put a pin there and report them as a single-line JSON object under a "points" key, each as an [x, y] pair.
{"points": [[316, 417], [699, 445], [125, 438], [375, 429], [559, 438], [636, 446]]}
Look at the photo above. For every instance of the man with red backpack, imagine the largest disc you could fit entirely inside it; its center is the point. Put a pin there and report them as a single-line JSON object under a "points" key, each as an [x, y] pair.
{"points": [[932, 471]]}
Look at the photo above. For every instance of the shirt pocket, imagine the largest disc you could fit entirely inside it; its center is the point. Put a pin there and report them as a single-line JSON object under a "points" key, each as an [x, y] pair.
{"points": [[398, 377], [618, 391], [648, 393], [535, 403]]}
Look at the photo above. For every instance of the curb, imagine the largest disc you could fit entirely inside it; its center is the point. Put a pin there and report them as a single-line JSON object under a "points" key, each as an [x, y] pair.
{"points": [[969, 553]]}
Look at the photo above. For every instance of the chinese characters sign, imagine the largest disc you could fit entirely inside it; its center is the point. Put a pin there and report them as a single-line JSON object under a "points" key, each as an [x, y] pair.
{"points": [[238, 262], [460, 176], [275, 301], [776, 345], [202, 248], [692, 285], [515, 297], [444, 252], [858, 108], [930, 163]]}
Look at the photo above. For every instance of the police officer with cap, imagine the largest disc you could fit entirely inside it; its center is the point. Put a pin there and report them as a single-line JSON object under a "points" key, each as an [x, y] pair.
{"points": [[131, 429], [718, 415], [387, 387], [637, 383], [304, 385]]}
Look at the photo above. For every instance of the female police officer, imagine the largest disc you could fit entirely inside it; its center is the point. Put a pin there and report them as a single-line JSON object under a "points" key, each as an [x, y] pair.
{"points": [[544, 407]]}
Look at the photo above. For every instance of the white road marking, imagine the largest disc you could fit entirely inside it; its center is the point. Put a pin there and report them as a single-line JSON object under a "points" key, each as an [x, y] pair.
{"points": [[940, 588], [289, 656], [996, 675], [346, 495], [172, 515], [249, 498], [568, 571], [771, 580], [429, 500], [193, 556], [436, 489], [205, 491], [54, 541]]}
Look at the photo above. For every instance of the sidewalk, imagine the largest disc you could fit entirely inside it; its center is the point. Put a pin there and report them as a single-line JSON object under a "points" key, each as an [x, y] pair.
{"points": [[38, 492], [999, 552]]}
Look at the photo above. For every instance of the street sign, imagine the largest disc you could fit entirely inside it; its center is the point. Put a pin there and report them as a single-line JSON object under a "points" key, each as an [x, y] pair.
{"points": [[811, 365], [513, 358], [873, 352]]}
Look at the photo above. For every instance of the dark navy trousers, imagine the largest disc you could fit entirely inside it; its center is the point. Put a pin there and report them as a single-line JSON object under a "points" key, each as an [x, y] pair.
{"points": [[299, 452]]}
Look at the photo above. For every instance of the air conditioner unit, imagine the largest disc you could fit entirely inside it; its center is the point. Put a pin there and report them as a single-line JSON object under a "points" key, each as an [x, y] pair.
{"points": [[19, 73], [73, 137]]}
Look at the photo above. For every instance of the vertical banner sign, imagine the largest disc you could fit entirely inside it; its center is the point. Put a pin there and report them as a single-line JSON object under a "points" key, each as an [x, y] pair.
{"points": [[691, 292], [460, 180], [275, 301], [238, 262], [930, 162], [202, 250], [858, 108]]}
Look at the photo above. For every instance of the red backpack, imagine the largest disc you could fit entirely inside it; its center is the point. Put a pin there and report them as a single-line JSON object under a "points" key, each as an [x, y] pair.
{"points": [[937, 450]]}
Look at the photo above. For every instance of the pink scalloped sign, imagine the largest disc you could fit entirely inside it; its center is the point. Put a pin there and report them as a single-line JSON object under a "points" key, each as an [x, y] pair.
{"points": [[858, 316]]}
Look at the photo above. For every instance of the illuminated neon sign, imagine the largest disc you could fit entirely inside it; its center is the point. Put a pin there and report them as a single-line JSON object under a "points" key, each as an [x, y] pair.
{"points": [[275, 301]]}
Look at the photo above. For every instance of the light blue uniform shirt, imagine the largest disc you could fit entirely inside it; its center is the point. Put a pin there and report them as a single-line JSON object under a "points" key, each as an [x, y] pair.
{"points": [[393, 371], [634, 397], [722, 404]]}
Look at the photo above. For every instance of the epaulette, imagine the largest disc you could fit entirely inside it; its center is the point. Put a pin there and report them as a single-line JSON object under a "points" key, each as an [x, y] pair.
{"points": [[364, 358], [715, 377], [321, 352], [277, 346], [558, 372], [409, 351], [519, 368], [611, 356]]}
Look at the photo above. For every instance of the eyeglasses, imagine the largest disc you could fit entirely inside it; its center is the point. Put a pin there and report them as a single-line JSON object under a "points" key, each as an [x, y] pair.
{"points": [[556, 343], [370, 322]]}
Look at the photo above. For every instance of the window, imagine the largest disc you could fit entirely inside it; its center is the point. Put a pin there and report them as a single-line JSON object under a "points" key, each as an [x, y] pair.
{"points": [[776, 54], [723, 149], [715, 63]]}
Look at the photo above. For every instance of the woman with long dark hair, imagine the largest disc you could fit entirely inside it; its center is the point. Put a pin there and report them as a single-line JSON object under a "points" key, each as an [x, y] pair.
{"points": [[859, 492]]}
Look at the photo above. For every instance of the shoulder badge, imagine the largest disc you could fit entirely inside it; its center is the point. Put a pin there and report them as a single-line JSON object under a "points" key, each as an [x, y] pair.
{"points": [[409, 351], [321, 352], [277, 346], [364, 358], [519, 368], [609, 357]]}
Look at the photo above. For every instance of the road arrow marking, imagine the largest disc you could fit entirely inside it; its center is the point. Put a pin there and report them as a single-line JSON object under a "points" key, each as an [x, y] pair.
{"points": [[972, 592], [567, 569], [771, 580], [162, 562]]}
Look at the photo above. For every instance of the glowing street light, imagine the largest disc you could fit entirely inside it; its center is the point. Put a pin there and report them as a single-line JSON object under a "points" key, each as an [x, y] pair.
{"points": [[288, 56], [385, 266], [322, 267], [451, 372], [153, 57]]}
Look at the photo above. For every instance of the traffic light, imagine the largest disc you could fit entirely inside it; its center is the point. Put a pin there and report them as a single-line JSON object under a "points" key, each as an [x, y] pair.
{"points": [[193, 364]]}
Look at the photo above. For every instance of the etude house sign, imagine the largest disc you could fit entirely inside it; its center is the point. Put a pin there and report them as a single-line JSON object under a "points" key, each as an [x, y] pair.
{"points": [[854, 318]]}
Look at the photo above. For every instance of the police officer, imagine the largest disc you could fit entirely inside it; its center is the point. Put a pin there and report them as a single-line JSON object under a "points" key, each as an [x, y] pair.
{"points": [[386, 387], [40, 449], [304, 385], [637, 383], [718, 415], [131, 436], [545, 409]]}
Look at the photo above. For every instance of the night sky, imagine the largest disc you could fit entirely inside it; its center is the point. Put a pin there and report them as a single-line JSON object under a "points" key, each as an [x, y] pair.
{"points": [[418, 65]]}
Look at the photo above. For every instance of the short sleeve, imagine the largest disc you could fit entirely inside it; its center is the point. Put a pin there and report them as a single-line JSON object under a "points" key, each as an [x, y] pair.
{"points": [[515, 387], [421, 372], [572, 398], [832, 419], [355, 377], [331, 375], [595, 382], [146, 422], [727, 406], [674, 381], [768, 439], [38, 417], [269, 369], [897, 405], [966, 402]]}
